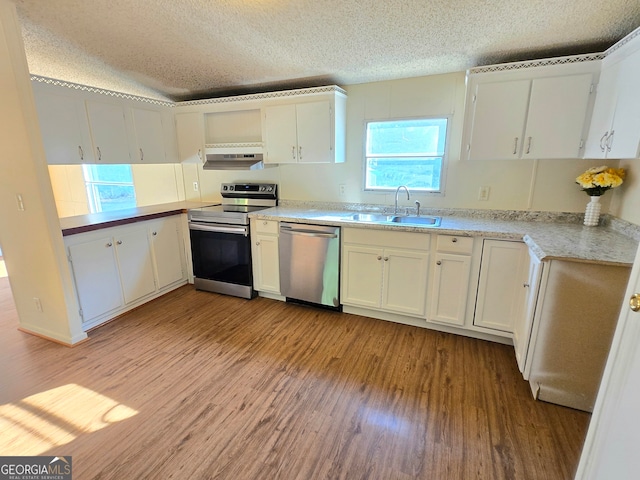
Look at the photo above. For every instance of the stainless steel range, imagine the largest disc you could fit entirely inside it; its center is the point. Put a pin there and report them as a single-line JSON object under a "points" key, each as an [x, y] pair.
{"points": [[220, 243]]}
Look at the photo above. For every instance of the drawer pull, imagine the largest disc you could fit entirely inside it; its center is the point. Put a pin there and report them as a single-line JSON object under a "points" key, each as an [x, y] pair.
{"points": [[454, 240], [438, 262]]}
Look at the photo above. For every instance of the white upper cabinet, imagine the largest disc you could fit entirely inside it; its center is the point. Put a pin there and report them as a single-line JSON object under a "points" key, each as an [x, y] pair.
{"points": [[64, 128], [149, 136], [528, 113], [109, 132], [300, 133], [190, 131], [499, 113], [91, 127], [615, 126]]}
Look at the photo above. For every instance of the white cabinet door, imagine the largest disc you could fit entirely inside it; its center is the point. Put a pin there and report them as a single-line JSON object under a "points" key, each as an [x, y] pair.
{"points": [[524, 319], [556, 118], [624, 140], [299, 133], [281, 134], [64, 127], [109, 132], [266, 264], [135, 263], [500, 291], [405, 281], [361, 276], [149, 136], [190, 133], [314, 132], [450, 285], [603, 109], [499, 114], [96, 276], [168, 253]]}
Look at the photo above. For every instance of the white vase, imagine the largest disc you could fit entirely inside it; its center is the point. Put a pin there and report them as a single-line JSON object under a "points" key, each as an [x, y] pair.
{"points": [[592, 213]]}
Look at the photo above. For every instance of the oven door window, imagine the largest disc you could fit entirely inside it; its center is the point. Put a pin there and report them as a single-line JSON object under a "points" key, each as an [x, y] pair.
{"points": [[224, 257]]}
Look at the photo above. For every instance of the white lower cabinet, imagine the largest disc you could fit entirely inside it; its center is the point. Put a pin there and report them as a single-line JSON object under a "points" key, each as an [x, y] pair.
{"points": [[524, 319], [265, 256], [96, 275], [450, 280], [118, 268], [166, 244], [500, 293], [385, 270]]}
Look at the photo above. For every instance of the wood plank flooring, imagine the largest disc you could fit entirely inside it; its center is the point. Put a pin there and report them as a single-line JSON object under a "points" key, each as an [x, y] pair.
{"points": [[200, 386]]}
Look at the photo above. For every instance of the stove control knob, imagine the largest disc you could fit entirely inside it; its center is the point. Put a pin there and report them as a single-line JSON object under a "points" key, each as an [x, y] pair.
{"points": [[270, 189], [231, 187], [224, 187], [262, 188]]}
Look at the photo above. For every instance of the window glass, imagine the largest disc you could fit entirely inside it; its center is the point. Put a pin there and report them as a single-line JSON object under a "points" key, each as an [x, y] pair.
{"points": [[109, 187], [405, 152]]}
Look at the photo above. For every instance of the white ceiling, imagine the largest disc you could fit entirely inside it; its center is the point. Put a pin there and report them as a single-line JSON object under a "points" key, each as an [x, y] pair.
{"points": [[185, 49]]}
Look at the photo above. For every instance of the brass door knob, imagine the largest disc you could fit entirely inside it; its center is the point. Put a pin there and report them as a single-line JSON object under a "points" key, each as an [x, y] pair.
{"points": [[634, 302]]}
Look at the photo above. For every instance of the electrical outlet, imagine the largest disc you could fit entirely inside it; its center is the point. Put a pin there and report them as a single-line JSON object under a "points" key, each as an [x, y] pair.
{"points": [[195, 186], [38, 304], [483, 194], [342, 188]]}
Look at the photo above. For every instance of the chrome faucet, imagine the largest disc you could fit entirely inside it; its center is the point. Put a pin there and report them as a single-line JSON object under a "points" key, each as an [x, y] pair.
{"points": [[395, 209]]}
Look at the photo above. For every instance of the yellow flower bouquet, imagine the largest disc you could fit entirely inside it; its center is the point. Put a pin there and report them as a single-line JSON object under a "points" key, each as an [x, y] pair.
{"points": [[598, 180]]}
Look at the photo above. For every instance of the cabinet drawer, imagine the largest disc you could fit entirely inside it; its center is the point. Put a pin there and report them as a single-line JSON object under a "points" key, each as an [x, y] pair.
{"points": [[454, 244], [269, 227], [386, 238]]}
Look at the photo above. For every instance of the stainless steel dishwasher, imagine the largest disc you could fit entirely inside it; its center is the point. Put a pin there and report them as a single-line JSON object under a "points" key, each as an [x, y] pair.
{"points": [[310, 263]]}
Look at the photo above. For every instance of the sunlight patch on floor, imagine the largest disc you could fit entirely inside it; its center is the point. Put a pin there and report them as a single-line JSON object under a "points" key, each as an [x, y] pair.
{"points": [[3, 269], [35, 424]]}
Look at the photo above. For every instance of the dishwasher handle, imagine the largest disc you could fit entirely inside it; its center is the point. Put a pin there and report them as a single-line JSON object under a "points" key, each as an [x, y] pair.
{"points": [[305, 232]]}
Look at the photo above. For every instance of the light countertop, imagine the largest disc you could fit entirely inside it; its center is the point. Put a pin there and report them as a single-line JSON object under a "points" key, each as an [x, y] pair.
{"points": [[547, 237]]}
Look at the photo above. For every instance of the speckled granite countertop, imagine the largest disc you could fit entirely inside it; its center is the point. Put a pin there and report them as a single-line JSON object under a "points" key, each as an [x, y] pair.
{"points": [[549, 236]]}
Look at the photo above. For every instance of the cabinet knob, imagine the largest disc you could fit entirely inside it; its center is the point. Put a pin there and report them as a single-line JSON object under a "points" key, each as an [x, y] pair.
{"points": [[265, 223], [154, 233], [258, 243], [454, 240], [438, 262], [109, 244], [386, 259], [119, 242], [526, 285], [379, 257], [634, 302]]}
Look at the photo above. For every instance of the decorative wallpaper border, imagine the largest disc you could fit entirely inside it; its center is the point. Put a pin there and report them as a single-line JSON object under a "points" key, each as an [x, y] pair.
{"points": [[101, 91], [537, 63], [623, 42], [265, 95]]}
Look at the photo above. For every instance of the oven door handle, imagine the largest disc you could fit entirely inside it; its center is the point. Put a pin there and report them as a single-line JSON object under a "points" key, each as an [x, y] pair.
{"points": [[219, 229]]}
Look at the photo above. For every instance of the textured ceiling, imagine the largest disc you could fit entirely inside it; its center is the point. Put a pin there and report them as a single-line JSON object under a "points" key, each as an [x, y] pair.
{"points": [[185, 49]]}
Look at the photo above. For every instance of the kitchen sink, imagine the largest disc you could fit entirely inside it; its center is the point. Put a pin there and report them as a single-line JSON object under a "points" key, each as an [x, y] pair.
{"points": [[430, 221], [373, 217], [409, 219]]}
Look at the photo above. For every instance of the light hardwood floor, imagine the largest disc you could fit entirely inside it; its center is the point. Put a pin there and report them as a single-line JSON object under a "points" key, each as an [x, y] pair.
{"points": [[196, 385]]}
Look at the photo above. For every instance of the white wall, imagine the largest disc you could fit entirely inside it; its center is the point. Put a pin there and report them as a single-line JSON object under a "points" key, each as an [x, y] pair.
{"points": [[69, 190], [546, 185], [30, 236], [626, 198]]}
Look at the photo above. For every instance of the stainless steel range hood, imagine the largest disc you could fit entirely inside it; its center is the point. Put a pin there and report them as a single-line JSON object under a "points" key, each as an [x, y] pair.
{"points": [[233, 161]]}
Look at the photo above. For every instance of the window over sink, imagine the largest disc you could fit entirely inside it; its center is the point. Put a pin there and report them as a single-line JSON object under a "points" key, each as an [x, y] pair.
{"points": [[408, 152]]}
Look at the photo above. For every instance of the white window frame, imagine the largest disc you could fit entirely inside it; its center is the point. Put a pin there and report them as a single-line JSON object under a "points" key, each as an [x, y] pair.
{"points": [[445, 156], [95, 205]]}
